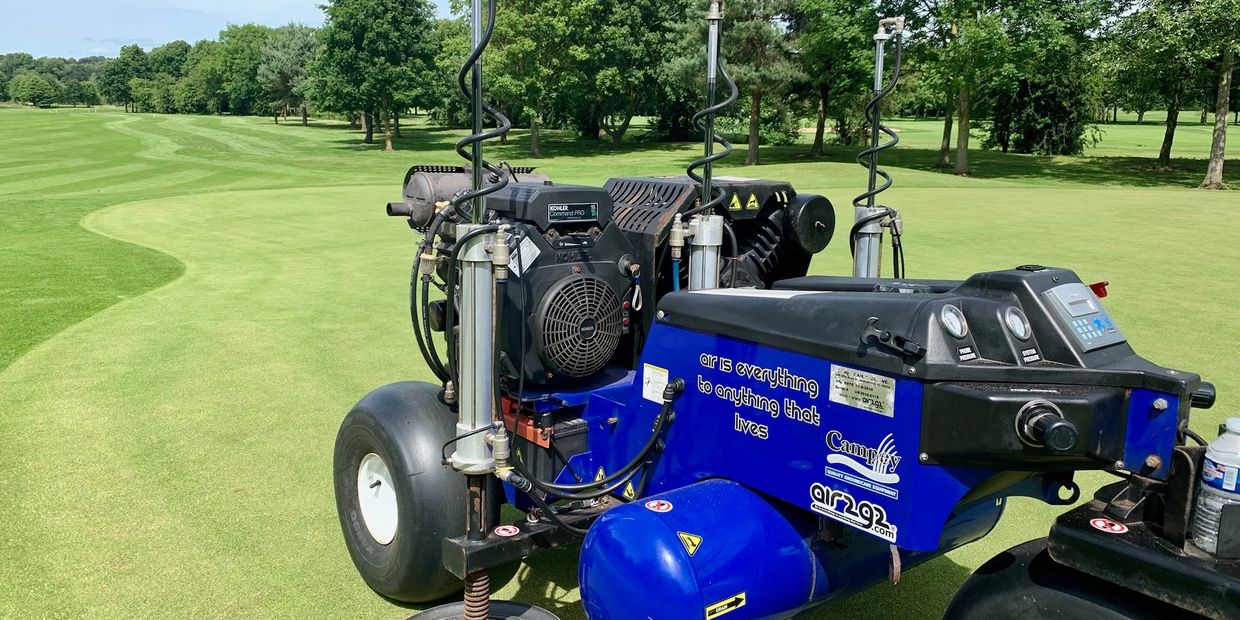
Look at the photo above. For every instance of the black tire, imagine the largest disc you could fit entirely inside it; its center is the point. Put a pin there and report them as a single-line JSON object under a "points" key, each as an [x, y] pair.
{"points": [[1024, 582], [500, 610], [405, 424]]}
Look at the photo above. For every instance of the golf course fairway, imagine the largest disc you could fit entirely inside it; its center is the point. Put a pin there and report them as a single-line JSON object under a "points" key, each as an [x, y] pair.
{"points": [[230, 288]]}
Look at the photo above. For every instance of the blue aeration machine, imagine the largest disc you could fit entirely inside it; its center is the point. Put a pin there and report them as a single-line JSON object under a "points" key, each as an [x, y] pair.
{"points": [[646, 369]]}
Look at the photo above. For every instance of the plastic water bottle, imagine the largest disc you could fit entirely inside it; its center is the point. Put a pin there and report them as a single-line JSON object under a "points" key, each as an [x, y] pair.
{"points": [[1220, 485]]}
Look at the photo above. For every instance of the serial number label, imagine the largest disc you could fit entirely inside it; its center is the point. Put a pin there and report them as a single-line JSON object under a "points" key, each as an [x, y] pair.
{"points": [[863, 390], [573, 212]]}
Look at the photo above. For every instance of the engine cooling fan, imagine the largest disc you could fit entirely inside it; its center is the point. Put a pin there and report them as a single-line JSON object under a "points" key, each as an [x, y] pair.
{"points": [[579, 326]]}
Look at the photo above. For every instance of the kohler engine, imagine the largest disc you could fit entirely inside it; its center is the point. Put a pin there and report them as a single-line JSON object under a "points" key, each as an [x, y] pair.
{"points": [[572, 283], [586, 263]]}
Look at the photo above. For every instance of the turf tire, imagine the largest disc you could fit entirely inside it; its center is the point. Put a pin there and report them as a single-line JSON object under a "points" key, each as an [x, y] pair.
{"points": [[405, 424]]}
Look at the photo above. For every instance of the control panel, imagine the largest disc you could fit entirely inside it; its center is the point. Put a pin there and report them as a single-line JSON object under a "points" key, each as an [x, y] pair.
{"points": [[1079, 310]]}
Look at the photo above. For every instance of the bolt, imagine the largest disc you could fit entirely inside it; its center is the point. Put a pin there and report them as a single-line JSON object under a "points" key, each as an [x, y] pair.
{"points": [[923, 457], [1153, 462], [376, 483], [613, 420], [912, 371], [1160, 405], [660, 315], [1119, 464]]}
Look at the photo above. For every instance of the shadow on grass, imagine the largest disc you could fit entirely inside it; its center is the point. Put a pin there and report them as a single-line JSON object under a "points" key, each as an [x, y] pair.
{"points": [[1101, 171]]}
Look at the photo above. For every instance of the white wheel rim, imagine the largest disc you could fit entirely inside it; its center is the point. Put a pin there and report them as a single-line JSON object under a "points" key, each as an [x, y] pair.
{"points": [[376, 497]]}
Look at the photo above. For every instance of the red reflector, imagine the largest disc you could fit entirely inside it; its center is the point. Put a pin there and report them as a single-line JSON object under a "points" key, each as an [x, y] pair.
{"points": [[1100, 288]]}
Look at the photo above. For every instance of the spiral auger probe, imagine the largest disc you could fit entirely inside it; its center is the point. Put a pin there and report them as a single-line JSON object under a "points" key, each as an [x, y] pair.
{"points": [[868, 158], [865, 238], [705, 118], [502, 125]]}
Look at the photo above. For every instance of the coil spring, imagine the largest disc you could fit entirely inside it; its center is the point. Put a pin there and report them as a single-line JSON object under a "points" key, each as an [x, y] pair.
{"points": [[868, 158], [502, 125], [478, 596]]}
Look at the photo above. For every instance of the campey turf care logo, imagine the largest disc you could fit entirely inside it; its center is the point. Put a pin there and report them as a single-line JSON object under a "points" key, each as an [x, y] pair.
{"points": [[876, 465]]}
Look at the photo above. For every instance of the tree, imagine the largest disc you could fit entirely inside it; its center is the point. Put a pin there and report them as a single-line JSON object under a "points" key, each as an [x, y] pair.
{"points": [[834, 40], [1221, 27], [115, 75], [1042, 98], [374, 56], [201, 91], [33, 89], [631, 39], [17, 62], [760, 59], [169, 59], [1159, 55], [241, 52], [79, 93], [528, 69], [283, 70]]}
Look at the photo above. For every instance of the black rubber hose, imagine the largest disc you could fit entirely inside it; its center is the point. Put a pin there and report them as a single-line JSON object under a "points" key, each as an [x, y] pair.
{"points": [[868, 158], [852, 234], [522, 484], [550, 489], [432, 362], [421, 329]]}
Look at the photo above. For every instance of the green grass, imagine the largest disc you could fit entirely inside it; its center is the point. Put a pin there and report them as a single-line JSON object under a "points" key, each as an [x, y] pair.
{"points": [[190, 304]]}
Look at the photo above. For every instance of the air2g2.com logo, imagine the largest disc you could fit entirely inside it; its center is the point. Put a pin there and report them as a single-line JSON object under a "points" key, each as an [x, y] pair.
{"points": [[843, 507]]}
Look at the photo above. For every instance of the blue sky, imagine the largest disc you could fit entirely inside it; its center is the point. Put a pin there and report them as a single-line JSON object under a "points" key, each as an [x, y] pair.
{"points": [[75, 28]]}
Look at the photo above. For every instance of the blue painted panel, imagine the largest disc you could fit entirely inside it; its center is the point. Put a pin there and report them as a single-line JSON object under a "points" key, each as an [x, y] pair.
{"points": [[839, 441], [1150, 432]]}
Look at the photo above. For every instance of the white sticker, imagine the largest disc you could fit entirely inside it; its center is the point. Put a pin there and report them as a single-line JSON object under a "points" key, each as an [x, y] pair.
{"points": [[524, 257], [863, 390], [654, 380]]}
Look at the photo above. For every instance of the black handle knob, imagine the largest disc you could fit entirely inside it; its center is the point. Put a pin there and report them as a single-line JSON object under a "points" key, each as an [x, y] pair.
{"points": [[1203, 397], [1043, 426]]}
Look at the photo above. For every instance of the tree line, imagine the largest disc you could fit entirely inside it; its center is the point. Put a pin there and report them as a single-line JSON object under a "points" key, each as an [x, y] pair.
{"points": [[1028, 76]]}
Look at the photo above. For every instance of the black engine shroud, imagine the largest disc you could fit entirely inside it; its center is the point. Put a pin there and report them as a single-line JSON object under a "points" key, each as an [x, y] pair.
{"points": [[584, 259]]}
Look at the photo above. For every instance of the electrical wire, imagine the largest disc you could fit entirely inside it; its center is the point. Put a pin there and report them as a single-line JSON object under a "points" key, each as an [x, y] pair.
{"points": [[736, 255]]}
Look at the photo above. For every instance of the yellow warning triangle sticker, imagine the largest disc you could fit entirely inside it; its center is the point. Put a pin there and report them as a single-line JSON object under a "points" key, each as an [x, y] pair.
{"points": [[690, 541], [629, 492], [753, 202], [736, 202], [600, 475]]}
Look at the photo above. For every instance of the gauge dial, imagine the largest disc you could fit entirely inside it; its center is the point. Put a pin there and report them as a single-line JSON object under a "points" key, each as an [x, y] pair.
{"points": [[1017, 323], [953, 320]]}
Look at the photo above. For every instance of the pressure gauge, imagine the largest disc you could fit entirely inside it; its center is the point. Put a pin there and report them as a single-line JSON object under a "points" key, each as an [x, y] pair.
{"points": [[953, 320], [1017, 323]]}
